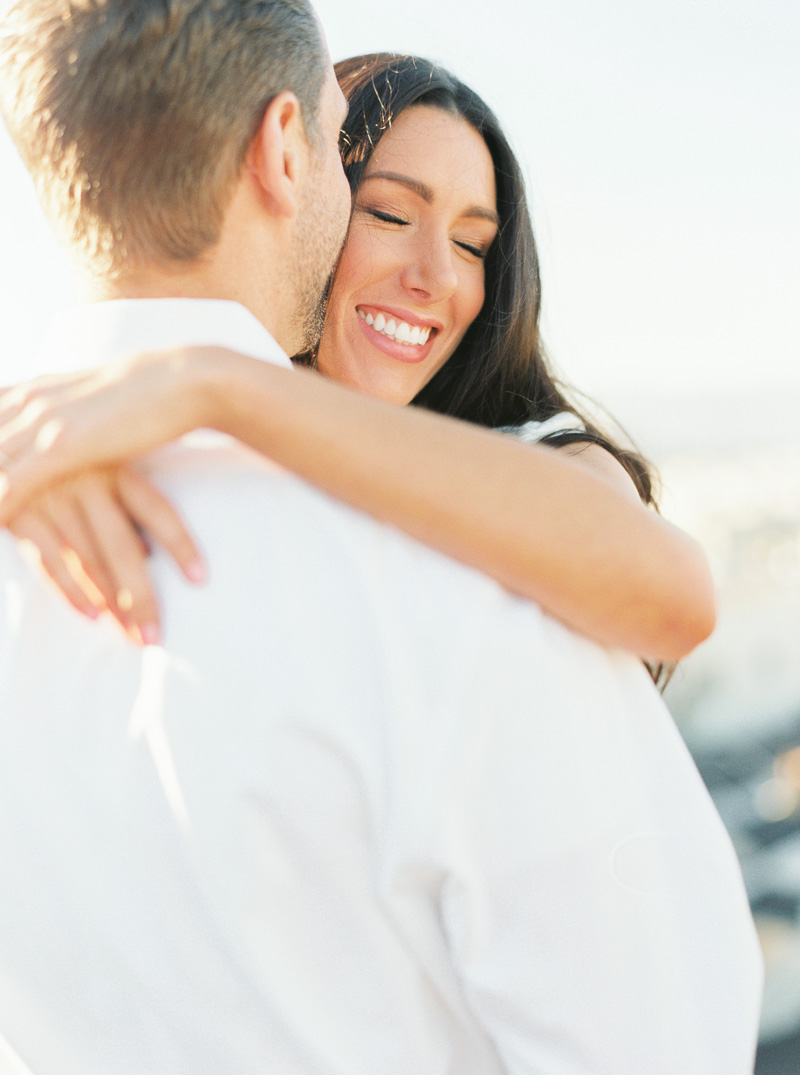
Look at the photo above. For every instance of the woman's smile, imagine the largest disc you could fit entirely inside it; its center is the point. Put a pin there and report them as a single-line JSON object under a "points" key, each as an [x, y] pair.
{"points": [[410, 281], [398, 333]]}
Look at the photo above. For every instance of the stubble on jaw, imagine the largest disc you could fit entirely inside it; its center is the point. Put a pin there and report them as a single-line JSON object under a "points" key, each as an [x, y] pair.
{"points": [[318, 244], [314, 323], [310, 320]]}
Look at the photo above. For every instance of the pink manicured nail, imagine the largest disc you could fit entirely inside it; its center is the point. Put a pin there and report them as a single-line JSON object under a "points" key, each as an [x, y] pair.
{"points": [[151, 636], [195, 571]]}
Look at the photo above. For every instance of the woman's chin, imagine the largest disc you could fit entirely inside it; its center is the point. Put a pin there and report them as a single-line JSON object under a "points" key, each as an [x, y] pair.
{"points": [[375, 383], [386, 392]]}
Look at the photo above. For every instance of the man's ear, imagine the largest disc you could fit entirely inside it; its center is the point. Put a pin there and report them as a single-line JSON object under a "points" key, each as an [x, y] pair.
{"points": [[278, 155]]}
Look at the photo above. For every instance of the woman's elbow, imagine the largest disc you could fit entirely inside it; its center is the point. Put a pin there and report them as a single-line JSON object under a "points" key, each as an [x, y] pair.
{"points": [[691, 611]]}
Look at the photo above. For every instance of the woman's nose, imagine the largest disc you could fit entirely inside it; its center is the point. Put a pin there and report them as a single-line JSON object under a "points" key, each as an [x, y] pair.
{"points": [[430, 272]]}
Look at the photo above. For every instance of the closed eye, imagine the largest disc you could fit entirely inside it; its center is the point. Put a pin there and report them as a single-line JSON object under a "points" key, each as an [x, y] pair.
{"points": [[475, 250], [387, 218]]}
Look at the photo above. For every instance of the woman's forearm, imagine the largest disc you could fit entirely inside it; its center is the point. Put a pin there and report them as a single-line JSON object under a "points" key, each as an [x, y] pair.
{"points": [[534, 520]]}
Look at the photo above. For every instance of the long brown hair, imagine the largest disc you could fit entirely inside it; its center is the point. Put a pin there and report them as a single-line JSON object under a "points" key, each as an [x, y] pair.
{"points": [[499, 375]]}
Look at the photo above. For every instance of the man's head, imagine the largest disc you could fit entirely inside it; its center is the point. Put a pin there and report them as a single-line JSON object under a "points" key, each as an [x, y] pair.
{"points": [[135, 117]]}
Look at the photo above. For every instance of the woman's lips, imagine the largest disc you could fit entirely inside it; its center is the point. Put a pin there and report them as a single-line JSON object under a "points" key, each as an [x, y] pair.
{"points": [[396, 327], [400, 343]]}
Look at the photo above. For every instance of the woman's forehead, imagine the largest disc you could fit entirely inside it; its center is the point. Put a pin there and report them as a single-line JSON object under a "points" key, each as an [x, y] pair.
{"points": [[437, 148]]}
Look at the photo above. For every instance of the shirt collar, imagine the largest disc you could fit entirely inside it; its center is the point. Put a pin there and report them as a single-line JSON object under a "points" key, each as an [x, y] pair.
{"points": [[107, 331]]}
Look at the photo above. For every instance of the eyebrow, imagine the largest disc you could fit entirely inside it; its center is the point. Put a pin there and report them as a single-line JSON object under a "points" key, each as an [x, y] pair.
{"points": [[426, 193]]}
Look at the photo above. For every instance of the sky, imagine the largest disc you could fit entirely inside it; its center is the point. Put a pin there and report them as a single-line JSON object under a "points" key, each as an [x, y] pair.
{"points": [[661, 143]]}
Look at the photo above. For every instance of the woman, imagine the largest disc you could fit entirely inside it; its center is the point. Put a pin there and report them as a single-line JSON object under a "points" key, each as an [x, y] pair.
{"points": [[435, 302]]}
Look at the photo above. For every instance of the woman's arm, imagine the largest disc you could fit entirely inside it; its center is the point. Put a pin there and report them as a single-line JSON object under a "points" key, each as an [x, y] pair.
{"points": [[569, 533]]}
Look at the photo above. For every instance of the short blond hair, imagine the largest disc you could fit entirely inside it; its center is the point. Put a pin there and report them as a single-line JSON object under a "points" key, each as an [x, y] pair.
{"points": [[134, 116]]}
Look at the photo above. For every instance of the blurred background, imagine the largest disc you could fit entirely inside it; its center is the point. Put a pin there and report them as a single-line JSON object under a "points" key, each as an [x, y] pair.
{"points": [[662, 148]]}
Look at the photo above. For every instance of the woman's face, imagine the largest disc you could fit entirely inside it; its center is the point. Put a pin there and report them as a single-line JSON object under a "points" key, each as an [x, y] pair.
{"points": [[411, 277]]}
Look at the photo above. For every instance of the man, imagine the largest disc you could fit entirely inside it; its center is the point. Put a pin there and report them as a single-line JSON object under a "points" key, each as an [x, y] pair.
{"points": [[358, 813]]}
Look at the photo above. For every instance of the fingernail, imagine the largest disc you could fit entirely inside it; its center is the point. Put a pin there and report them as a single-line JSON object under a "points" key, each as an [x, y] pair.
{"points": [[90, 611], [151, 636], [196, 571]]}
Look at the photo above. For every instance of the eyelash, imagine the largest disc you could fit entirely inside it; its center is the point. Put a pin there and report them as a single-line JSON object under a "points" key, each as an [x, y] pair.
{"points": [[472, 250], [387, 218]]}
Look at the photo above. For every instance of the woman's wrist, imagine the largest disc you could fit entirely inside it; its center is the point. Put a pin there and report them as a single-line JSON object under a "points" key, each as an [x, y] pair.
{"points": [[207, 383], [249, 399]]}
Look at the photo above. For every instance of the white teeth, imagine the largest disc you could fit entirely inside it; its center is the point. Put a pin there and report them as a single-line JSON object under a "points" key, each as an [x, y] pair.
{"points": [[401, 331]]}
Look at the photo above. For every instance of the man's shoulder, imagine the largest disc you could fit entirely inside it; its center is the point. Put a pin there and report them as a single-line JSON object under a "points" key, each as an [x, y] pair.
{"points": [[94, 333], [248, 511]]}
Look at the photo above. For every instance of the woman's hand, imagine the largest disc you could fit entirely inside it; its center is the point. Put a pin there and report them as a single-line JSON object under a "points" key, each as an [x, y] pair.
{"points": [[56, 426], [90, 535]]}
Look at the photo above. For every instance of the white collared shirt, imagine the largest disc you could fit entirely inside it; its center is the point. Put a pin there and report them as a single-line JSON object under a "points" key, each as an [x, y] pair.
{"points": [[105, 331], [363, 813]]}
